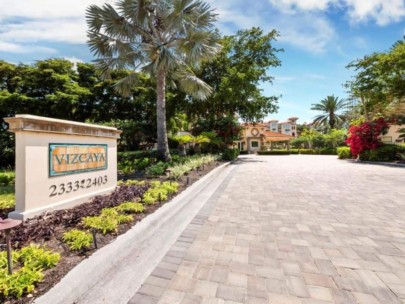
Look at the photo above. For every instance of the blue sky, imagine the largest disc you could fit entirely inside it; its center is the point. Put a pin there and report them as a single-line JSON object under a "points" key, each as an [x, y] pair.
{"points": [[319, 38]]}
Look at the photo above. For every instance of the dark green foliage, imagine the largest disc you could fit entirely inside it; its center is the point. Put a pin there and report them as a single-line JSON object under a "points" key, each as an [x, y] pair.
{"points": [[230, 154], [327, 151], [383, 153], [307, 151], [244, 152], [157, 169], [274, 152], [236, 75], [226, 128], [344, 153]]}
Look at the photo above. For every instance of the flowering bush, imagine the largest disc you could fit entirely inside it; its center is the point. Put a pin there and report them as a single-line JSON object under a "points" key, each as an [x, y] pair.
{"points": [[364, 136]]}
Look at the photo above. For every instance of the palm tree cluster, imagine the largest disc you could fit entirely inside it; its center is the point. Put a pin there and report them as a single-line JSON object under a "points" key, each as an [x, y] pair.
{"points": [[165, 39]]}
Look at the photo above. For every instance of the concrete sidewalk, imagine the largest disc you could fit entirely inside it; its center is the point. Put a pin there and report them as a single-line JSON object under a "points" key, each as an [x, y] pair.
{"points": [[267, 229]]}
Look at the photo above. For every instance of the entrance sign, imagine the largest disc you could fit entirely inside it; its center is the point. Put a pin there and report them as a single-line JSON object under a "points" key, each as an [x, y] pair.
{"points": [[75, 158], [60, 163]]}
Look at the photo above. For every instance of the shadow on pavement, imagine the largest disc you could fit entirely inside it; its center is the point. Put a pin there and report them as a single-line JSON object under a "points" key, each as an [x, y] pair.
{"points": [[241, 161]]}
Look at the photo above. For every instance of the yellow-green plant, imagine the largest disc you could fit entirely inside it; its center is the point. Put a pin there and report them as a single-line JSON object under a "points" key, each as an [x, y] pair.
{"points": [[107, 221], [31, 260], [130, 207], [78, 239], [159, 192], [19, 282], [35, 257], [105, 224]]}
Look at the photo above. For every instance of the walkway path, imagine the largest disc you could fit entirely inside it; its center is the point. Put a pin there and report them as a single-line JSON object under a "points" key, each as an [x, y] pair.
{"points": [[291, 229]]}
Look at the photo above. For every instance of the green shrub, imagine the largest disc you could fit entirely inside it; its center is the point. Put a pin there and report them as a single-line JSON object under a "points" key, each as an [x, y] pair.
{"points": [[159, 192], [131, 182], [274, 152], [130, 207], [103, 223], [327, 151], [7, 178], [157, 169], [307, 151], [31, 260], [230, 154], [171, 188], [77, 239], [35, 257], [21, 281], [294, 151], [344, 152], [141, 164], [149, 199], [383, 153], [7, 200], [124, 218]]}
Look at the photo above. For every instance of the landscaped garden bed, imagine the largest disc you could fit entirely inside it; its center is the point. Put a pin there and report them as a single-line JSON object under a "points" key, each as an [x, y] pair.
{"points": [[63, 238]]}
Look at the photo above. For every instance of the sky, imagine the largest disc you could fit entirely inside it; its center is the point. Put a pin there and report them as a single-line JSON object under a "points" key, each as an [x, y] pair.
{"points": [[319, 38]]}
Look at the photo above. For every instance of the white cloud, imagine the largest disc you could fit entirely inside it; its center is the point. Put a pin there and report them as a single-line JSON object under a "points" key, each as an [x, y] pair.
{"points": [[46, 9], [381, 11], [292, 5], [70, 30], [308, 31], [23, 49], [282, 79], [43, 20]]}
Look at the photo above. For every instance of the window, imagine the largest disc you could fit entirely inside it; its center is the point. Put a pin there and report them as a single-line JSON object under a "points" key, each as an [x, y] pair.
{"points": [[254, 144]]}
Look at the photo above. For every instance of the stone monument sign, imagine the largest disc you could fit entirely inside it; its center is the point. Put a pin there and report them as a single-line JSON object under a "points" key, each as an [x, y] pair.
{"points": [[61, 163]]}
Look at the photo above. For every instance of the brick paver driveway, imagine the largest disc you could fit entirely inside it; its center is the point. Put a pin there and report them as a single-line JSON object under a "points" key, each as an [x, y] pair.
{"points": [[291, 229]]}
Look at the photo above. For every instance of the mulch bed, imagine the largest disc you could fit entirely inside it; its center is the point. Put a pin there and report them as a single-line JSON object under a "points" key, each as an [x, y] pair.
{"points": [[48, 229]]}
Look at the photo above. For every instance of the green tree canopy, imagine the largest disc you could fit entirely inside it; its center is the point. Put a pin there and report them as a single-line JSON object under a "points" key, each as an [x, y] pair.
{"points": [[236, 75], [379, 82]]}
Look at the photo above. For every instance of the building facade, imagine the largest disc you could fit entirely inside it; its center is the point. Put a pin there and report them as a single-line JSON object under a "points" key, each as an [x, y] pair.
{"points": [[261, 136]]}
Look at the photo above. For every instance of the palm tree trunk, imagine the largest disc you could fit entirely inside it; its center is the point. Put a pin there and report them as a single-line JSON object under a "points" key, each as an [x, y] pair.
{"points": [[162, 144]]}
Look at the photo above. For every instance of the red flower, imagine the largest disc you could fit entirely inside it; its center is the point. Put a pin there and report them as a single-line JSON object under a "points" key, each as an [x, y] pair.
{"points": [[365, 136]]}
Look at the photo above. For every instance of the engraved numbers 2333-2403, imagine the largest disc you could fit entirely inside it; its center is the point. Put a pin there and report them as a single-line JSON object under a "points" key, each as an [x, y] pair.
{"points": [[76, 185]]}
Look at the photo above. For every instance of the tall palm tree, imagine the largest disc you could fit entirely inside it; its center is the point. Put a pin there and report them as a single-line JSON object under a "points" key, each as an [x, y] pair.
{"points": [[163, 38], [330, 106]]}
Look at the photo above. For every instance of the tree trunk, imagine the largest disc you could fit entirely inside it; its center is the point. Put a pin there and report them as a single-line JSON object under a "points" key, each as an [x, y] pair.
{"points": [[162, 144]]}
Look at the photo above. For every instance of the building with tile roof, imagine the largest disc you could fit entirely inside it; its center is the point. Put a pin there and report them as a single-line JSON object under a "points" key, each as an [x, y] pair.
{"points": [[262, 136]]}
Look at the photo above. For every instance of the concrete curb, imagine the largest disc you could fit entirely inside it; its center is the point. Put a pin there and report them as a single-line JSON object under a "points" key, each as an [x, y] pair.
{"points": [[114, 273]]}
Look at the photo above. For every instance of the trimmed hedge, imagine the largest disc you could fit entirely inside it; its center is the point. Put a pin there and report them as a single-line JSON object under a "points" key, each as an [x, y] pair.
{"points": [[274, 152], [328, 151], [383, 153], [344, 152], [307, 151], [230, 154]]}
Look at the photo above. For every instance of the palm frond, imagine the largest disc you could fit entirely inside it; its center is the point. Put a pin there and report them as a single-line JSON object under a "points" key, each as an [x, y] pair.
{"points": [[198, 46], [126, 84], [193, 85]]}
